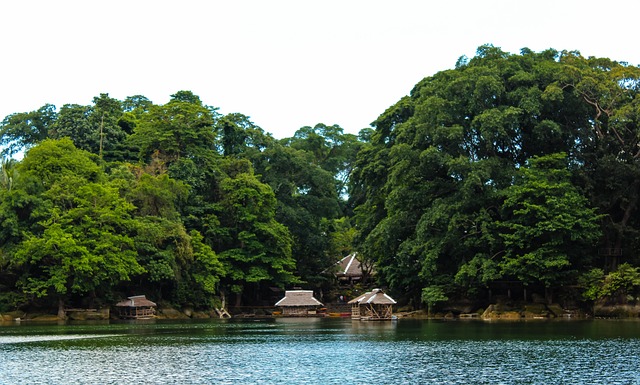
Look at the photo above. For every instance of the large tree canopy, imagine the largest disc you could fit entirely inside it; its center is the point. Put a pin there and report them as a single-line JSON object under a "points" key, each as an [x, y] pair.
{"points": [[440, 200], [507, 168]]}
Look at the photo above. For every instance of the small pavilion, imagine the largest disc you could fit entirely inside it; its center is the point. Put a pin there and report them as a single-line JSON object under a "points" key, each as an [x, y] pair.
{"points": [[297, 303], [372, 306], [136, 307]]}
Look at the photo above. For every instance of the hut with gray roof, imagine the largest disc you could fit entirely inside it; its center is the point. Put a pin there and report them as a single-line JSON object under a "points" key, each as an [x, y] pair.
{"points": [[136, 307], [373, 305], [298, 303]]}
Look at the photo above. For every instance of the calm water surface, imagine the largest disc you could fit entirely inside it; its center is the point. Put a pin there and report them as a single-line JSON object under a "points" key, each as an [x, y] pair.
{"points": [[322, 351]]}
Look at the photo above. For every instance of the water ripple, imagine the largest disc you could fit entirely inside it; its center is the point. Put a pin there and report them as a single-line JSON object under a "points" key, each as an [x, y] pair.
{"points": [[318, 353]]}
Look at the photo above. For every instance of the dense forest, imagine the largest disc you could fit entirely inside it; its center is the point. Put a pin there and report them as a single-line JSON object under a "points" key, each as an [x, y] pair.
{"points": [[509, 170]]}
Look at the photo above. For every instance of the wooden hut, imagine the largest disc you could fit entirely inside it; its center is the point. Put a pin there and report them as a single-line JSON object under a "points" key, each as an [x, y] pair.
{"points": [[136, 307], [349, 270], [373, 305], [298, 303]]}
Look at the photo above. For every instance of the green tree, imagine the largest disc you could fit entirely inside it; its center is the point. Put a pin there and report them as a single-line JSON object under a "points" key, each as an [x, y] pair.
{"points": [[158, 196], [620, 285], [79, 240], [74, 122], [307, 202], [429, 184], [205, 272], [136, 104], [609, 91], [21, 131], [548, 224], [8, 173], [175, 130], [332, 150], [186, 97], [254, 248], [432, 295], [179, 266], [46, 164]]}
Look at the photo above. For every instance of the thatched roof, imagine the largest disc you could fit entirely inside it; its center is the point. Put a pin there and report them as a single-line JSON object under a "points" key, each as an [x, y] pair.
{"points": [[375, 296], [298, 298], [349, 266], [136, 301]]}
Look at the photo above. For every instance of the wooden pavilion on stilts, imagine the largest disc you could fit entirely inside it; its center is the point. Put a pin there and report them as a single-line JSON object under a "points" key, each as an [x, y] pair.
{"points": [[372, 306], [136, 307]]}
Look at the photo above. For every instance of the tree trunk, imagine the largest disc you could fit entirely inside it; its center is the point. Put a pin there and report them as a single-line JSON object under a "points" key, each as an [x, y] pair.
{"points": [[629, 210], [61, 313], [238, 299]]}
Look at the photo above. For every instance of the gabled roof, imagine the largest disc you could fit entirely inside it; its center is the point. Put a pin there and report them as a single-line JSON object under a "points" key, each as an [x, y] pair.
{"points": [[298, 298], [375, 296], [136, 301], [349, 266]]}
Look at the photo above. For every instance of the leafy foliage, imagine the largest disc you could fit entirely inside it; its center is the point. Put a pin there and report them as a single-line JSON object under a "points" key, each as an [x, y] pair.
{"points": [[617, 285], [462, 181], [20, 131], [548, 223], [432, 295], [507, 167]]}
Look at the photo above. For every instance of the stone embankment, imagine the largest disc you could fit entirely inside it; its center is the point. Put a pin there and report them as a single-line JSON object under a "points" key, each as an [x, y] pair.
{"points": [[18, 316], [499, 312], [170, 313], [616, 311], [527, 311]]}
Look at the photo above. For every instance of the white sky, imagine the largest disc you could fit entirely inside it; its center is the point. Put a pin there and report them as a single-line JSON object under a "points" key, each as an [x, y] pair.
{"points": [[284, 63]]}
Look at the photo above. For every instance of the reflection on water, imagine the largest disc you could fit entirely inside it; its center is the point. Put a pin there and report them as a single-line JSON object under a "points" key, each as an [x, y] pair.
{"points": [[317, 350]]}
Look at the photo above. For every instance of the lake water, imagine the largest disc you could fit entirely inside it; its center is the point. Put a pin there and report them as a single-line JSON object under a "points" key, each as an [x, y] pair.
{"points": [[322, 351]]}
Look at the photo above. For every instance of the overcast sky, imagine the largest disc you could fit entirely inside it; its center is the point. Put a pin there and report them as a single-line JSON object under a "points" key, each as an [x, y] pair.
{"points": [[286, 64]]}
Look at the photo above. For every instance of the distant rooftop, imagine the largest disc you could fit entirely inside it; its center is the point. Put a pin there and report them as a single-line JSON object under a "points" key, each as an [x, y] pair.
{"points": [[298, 298], [349, 266], [136, 301]]}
